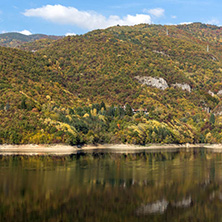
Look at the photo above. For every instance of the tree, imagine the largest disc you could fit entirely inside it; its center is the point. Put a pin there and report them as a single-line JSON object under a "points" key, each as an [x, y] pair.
{"points": [[102, 105], [119, 112], [7, 107], [128, 110], [23, 104], [212, 119]]}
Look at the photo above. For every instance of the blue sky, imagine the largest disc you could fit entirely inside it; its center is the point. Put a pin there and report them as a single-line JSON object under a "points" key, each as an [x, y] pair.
{"points": [[80, 16]]}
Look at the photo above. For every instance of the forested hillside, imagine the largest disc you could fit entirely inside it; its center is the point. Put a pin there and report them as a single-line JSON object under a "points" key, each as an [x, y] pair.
{"points": [[14, 39], [141, 84], [36, 45]]}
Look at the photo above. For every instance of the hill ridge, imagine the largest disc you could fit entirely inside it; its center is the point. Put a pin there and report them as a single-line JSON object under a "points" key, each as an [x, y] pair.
{"points": [[86, 88]]}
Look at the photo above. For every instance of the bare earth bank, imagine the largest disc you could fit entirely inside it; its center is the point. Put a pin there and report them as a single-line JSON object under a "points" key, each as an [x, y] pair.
{"points": [[62, 149]]}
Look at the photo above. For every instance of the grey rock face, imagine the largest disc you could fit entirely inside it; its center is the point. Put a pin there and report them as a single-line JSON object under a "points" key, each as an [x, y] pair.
{"points": [[160, 52], [184, 86], [158, 83], [211, 93], [219, 93], [207, 109]]}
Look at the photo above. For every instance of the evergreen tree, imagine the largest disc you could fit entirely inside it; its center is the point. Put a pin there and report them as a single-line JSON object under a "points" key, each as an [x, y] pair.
{"points": [[111, 111], [102, 105], [119, 112], [7, 107], [212, 119], [23, 104], [128, 110]]}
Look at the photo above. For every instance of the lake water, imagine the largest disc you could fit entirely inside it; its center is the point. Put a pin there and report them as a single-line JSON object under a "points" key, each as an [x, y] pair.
{"points": [[147, 186]]}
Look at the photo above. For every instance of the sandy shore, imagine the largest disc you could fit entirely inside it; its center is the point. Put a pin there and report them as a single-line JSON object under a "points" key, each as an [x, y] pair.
{"points": [[61, 149]]}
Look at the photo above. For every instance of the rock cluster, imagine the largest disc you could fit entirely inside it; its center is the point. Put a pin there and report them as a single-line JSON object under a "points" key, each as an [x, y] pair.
{"points": [[158, 83], [211, 93], [184, 86], [160, 52], [161, 83], [219, 93]]}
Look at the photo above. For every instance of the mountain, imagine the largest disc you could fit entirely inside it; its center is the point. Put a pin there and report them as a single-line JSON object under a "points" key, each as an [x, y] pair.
{"points": [[36, 45], [14, 39], [140, 84], [111, 59]]}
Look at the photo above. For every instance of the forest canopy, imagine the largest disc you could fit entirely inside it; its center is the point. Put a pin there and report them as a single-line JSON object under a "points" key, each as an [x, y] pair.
{"points": [[86, 89]]}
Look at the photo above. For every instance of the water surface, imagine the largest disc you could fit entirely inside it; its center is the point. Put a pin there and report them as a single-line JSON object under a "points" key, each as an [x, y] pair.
{"points": [[147, 186]]}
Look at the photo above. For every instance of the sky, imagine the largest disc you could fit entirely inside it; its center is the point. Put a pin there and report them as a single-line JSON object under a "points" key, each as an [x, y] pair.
{"points": [[71, 17]]}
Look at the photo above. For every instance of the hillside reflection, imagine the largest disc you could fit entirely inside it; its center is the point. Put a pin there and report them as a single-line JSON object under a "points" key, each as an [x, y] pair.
{"points": [[179, 186]]}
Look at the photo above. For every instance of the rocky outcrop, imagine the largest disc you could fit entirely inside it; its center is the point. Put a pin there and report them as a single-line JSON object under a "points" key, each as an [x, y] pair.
{"points": [[184, 86], [206, 109], [218, 109], [219, 93], [161, 83], [160, 52], [158, 83], [211, 93], [214, 59]]}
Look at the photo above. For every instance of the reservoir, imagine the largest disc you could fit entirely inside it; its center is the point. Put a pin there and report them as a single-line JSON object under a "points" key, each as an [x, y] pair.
{"points": [[157, 186]]}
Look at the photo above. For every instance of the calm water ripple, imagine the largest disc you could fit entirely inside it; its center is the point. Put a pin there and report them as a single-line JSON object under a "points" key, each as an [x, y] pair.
{"points": [[161, 186]]}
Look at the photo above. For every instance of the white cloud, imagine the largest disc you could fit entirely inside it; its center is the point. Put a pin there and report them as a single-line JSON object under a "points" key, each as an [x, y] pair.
{"points": [[173, 16], [85, 19], [25, 32], [213, 21], [70, 34], [185, 23], [157, 12]]}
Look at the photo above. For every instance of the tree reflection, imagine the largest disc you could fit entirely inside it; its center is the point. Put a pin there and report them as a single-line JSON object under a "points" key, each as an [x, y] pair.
{"points": [[162, 186]]}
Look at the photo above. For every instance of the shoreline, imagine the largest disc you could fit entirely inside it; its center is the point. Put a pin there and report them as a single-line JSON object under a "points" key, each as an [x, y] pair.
{"points": [[63, 149]]}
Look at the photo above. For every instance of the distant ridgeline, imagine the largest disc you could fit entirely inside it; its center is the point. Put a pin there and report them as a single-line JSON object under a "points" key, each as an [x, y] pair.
{"points": [[14, 39], [131, 84]]}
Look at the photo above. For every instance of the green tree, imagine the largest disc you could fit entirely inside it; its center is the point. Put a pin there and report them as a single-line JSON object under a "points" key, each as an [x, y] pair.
{"points": [[23, 104], [102, 105], [212, 119], [128, 110], [119, 112]]}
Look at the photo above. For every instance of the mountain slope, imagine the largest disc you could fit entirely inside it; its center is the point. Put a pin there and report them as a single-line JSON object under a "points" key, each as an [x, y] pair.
{"points": [[26, 89], [103, 57], [36, 45], [14, 39], [57, 93]]}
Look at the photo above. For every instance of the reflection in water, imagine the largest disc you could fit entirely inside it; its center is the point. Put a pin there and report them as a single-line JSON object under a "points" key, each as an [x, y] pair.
{"points": [[156, 207], [162, 186], [185, 202]]}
